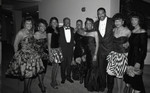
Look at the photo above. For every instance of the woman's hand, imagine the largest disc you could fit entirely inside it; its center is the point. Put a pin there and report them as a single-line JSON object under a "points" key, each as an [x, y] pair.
{"points": [[137, 71], [75, 30], [78, 60], [73, 62], [137, 65], [94, 57], [130, 71], [83, 58], [94, 62]]}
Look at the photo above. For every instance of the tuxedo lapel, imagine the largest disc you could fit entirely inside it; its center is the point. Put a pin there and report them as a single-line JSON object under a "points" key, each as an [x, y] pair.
{"points": [[64, 35], [71, 29], [108, 26]]}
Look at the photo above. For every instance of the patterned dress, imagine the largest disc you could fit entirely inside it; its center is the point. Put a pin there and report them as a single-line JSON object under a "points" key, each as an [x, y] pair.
{"points": [[42, 49], [117, 59], [26, 62]]}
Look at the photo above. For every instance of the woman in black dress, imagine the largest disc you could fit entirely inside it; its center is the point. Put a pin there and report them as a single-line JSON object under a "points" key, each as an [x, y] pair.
{"points": [[41, 48], [55, 54], [91, 47], [137, 54], [79, 53]]}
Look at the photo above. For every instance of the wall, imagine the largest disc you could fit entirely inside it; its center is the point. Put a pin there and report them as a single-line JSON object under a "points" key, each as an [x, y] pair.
{"points": [[72, 9], [17, 20], [114, 7]]}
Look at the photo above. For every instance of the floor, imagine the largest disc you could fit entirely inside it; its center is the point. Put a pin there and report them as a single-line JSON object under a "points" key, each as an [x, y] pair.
{"points": [[16, 86]]}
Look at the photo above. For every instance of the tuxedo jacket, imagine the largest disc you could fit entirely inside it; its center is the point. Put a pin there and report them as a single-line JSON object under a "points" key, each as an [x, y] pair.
{"points": [[105, 43], [67, 48]]}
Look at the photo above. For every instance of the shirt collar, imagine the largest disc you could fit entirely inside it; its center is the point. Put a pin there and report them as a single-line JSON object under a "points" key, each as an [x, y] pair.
{"points": [[104, 20]]}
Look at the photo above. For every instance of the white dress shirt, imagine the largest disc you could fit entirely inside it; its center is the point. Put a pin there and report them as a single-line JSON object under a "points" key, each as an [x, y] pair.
{"points": [[67, 34], [102, 26]]}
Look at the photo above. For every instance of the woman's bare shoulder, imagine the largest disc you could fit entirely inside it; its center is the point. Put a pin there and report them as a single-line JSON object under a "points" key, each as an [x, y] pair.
{"points": [[21, 32], [127, 29], [37, 33], [143, 31]]}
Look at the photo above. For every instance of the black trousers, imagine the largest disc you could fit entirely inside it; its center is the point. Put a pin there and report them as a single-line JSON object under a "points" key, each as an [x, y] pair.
{"points": [[66, 68], [106, 80]]}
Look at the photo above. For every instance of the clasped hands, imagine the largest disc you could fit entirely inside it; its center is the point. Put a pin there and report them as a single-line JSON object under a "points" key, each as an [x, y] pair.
{"points": [[134, 70]]}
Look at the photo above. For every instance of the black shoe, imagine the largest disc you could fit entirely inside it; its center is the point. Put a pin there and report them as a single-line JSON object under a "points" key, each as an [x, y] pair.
{"points": [[63, 81], [70, 80]]}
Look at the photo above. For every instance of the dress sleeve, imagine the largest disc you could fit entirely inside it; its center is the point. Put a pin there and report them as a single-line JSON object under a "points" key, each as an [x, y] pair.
{"points": [[49, 30], [143, 48]]}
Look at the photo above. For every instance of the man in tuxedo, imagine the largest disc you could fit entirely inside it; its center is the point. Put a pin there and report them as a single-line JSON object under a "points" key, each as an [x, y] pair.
{"points": [[104, 26], [66, 41]]}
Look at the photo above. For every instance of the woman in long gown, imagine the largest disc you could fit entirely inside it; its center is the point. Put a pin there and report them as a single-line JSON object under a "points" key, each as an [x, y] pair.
{"points": [[117, 58], [42, 49], [26, 62], [78, 71], [137, 54], [91, 48]]}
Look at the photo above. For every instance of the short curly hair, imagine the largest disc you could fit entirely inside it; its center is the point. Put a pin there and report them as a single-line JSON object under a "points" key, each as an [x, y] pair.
{"points": [[140, 17], [89, 19], [43, 21], [118, 16]]}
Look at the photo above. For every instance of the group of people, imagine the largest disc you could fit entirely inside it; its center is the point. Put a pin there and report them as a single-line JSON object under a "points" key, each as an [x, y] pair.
{"points": [[102, 50]]}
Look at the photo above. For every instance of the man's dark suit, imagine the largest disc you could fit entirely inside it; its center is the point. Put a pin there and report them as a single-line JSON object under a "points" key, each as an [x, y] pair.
{"points": [[67, 51], [105, 46]]}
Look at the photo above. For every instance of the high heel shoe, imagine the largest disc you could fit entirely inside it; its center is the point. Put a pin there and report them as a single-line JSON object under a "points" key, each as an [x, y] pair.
{"points": [[53, 86]]}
